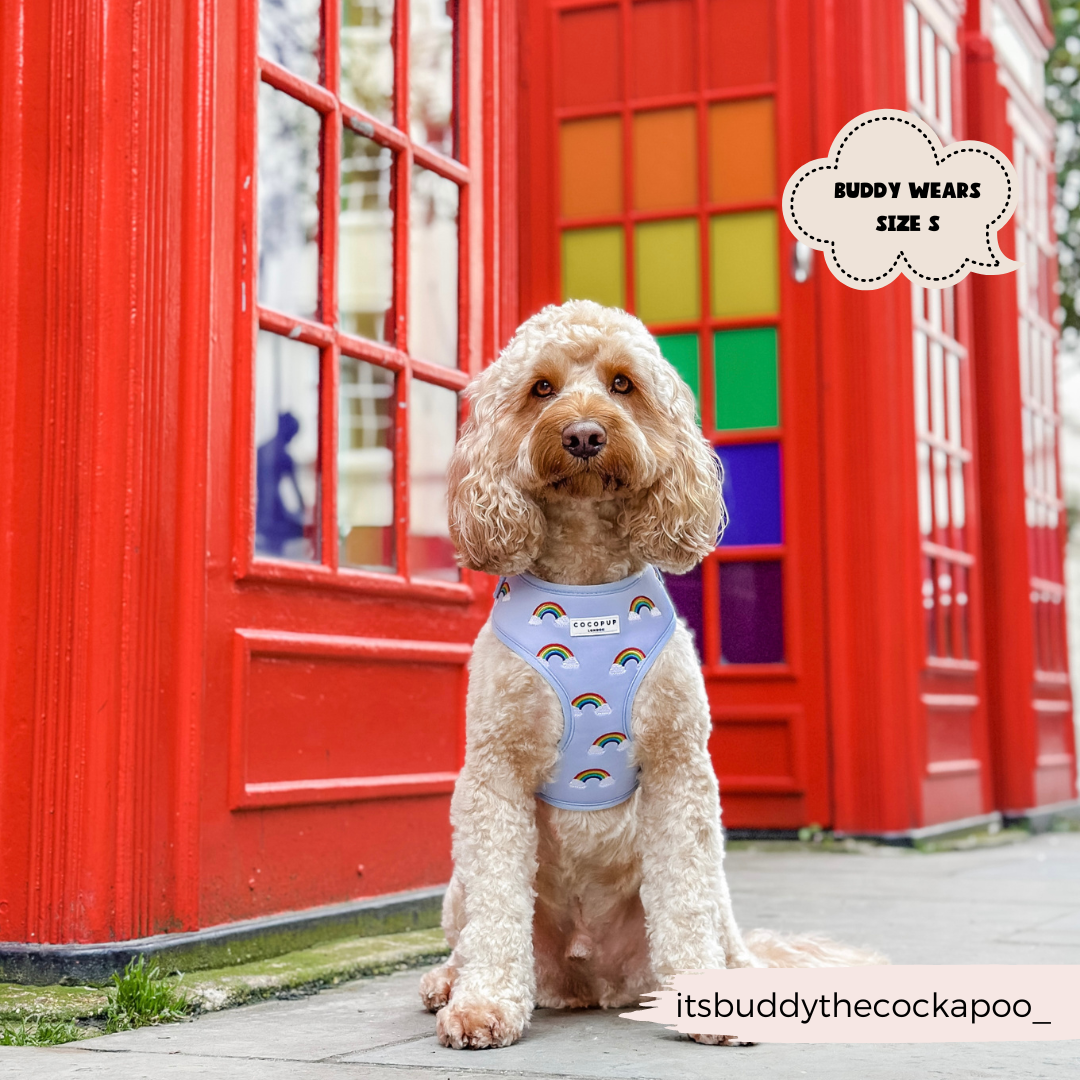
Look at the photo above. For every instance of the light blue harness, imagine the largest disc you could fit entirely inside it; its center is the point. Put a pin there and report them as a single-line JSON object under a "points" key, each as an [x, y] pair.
{"points": [[593, 643]]}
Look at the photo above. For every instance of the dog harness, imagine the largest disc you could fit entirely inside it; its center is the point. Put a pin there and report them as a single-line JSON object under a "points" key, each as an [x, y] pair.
{"points": [[593, 644]]}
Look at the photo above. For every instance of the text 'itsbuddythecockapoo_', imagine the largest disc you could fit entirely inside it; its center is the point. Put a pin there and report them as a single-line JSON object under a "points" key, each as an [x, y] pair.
{"points": [[588, 854]]}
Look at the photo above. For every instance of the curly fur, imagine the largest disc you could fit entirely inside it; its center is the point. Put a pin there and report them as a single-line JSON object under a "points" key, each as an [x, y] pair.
{"points": [[564, 908]]}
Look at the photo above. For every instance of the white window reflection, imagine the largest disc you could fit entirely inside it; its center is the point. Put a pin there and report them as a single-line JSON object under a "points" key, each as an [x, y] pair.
{"points": [[433, 268], [289, 35], [431, 74], [433, 422], [367, 56]]}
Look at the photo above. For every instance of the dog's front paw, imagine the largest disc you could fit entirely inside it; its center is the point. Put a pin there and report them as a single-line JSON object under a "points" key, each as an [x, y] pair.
{"points": [[719, 1040], [477, 1023], [435, 987]]}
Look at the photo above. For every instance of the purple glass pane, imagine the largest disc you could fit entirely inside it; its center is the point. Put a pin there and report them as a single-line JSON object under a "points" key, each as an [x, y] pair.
{"points": [[685, 591], [751, 493], [751, 613]]}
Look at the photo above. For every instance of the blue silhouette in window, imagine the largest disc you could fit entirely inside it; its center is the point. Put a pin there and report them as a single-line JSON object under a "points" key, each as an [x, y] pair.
{"points": [[275, 523]]}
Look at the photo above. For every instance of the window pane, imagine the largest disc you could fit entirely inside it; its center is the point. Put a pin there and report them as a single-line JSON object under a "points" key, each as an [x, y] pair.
{"points": [[751, 493], [367, 56], [593, 267], [590, 57], [742, 151], [751, 613], [288, 204], [289, 35], [746, 392], [431, 73], [591, 155], [739, 45], [366, 239], [745, 279], [286, 448], [662, 59], [433, 422], [665, 159], [681, 352], [666, 271], [366, 465], [685, 592], [433, 268]]}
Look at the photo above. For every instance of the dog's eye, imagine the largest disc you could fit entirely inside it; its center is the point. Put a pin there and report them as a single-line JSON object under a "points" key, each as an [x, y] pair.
{"points": [[621, 384], [543, 389]]}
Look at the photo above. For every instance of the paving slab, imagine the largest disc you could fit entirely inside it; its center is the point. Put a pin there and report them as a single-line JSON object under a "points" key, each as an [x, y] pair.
{"points": [[1016, 904]]}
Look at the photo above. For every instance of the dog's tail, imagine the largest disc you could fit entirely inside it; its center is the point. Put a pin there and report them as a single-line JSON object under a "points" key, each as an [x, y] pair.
{"points": [[806, 951]]}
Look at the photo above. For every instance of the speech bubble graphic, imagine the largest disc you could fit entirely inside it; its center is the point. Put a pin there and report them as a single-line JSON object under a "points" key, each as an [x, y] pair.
{"points": [[890, 199]]}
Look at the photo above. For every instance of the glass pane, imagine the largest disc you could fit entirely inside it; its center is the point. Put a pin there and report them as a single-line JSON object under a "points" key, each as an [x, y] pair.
{"points": [[665, 159], [591, 154], [742, 151], [366, 239], [365, 506], [433, 421], [751, 493], [751, 613], [685, 592], [431, 73], [289, 35], [666, 271], [745, 280], [433, 268], [367, 56], [286, 448], [739, 45], [746, 392], [662, 34], [593, 267], [288, 204], [590, 58], [681, 352]]}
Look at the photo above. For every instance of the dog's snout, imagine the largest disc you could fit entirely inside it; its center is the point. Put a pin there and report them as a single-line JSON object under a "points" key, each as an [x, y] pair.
{"points": [[584, 438]]}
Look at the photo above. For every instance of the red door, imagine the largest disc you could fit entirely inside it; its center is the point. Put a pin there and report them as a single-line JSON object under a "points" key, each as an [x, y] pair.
{"points": [[658, 136], [338, 623]]}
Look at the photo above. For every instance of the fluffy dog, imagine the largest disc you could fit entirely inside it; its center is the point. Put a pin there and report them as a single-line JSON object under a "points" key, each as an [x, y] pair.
{"points": [[582, 463]]}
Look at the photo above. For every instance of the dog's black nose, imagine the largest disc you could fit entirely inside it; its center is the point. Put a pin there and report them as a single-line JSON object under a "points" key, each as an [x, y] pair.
{"points": [[583, 438]]}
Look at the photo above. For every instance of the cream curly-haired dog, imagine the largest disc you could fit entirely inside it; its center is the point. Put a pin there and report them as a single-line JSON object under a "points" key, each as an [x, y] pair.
{"points": [[581, 463]]}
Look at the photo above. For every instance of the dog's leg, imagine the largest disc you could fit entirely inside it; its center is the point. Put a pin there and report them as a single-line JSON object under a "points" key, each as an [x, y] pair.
{"points": [[495, 861], [436, 985]]}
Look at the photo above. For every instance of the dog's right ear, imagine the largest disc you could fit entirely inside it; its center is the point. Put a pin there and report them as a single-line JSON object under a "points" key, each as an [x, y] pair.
{"points": [[495, 526]]}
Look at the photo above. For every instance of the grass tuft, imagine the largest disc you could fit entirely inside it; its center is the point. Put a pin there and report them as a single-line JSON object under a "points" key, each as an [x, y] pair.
{"points": [[36, 1031], [140, 996]]}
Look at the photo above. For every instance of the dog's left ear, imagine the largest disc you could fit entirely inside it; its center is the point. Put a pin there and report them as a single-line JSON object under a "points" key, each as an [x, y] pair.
{"points": [[676, 522]]}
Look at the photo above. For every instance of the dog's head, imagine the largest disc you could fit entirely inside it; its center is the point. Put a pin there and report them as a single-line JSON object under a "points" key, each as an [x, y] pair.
{"points": [[582, 406]]}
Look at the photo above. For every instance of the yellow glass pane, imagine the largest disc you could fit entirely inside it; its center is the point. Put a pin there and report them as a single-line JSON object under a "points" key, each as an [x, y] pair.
{"points": [[745, 280], [665, 159], [591, 176], [666, 264], [592, 265], [742, 151]]}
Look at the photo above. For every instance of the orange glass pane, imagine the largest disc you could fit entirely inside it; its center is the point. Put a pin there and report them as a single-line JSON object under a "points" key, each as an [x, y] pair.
{"points": [[665, 159], [742, 151], [591, 176]]}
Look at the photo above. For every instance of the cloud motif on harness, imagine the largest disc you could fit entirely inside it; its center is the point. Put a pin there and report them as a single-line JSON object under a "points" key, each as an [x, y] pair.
{"points": [[561, 652], [614, 740], [890, 199], [552, 609], [618, 665], [602, 775], [600, 706], [642, 605]]}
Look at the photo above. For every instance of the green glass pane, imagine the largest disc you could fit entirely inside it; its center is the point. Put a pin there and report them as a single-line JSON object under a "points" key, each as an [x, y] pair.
{"points": [[744, 271], [746, 395], [592, 265], [681, 351], [666, 263]]}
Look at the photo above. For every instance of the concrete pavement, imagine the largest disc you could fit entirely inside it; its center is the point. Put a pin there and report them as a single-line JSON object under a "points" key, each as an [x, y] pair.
{"points": [[1010, 904]]}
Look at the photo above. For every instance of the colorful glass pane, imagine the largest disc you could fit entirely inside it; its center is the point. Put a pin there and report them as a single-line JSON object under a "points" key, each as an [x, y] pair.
{"points": [[686, 595], [739, 43], [591, 175], [742, 151], [681, 352], [593, 266], [746, 391], [590, 57], [751, 613], [745, 278], [751, 493], [665, 159], [666, 276], [662, 39]]}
